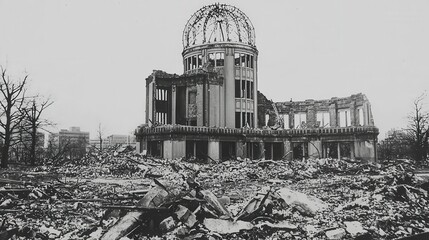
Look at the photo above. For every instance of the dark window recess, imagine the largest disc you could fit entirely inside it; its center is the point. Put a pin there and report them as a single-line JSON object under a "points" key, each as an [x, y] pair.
{"points": [[248, 90], [237, 59], [181, 105], [228, 150], [192, 122], [237, 120], [220, 59], [248, 60], [189, 63], [251, 61], [194, 62], [251, 90], [237, 89], [243, 119], [243, 88]]}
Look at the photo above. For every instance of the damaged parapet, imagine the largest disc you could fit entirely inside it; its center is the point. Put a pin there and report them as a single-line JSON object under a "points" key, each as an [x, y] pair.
{"points": [[214, 110]]}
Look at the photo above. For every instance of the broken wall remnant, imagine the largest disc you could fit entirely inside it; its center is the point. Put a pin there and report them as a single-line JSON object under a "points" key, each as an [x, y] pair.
{"points": [[335, 112]]}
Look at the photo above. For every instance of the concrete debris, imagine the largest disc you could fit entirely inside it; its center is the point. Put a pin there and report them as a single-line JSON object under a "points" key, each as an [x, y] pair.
{"points": [[226, 226], [354, 228], [338, 233], [305, 204], [130, 196], [167, 224]]}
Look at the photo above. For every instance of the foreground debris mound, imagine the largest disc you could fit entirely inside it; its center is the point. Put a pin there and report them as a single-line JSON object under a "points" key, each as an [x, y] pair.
{"points": [[152, 198]]}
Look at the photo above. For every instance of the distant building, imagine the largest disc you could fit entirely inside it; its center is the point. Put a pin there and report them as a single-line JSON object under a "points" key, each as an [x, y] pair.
{"points": [[73, 136], [73, 141], [114, 140]]}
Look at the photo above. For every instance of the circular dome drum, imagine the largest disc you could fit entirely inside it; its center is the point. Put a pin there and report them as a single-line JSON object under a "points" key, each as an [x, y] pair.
{"points": [[218, 23]]}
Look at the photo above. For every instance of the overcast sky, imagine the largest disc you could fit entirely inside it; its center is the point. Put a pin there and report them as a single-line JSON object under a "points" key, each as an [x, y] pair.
{"points": [[92, 57]]}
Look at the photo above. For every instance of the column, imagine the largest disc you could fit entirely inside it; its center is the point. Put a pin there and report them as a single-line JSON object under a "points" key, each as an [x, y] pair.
{"points": [[339, 151], [173, 104], [229, 87], [213, 150]]}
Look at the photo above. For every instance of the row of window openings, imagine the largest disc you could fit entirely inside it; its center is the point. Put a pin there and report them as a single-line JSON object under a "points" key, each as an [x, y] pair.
{"points": [[196, 61], [323, 119], [161, 94], [243, 60], [218, 60], [244, 89], [243, 119]]}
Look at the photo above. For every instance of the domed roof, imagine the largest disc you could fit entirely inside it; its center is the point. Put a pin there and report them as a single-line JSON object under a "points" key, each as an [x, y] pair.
{"points": [[218, 23]]}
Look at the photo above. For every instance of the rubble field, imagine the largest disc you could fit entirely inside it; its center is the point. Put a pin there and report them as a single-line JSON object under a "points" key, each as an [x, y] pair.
{"points": [[123, 195]]}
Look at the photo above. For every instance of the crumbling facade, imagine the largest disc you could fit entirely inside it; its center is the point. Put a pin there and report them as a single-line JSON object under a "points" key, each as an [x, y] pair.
{"points": [[213, 110]]}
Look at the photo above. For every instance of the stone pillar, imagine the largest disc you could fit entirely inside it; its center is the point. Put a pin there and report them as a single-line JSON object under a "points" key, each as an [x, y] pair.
{"points": [[214, 111], [339, 151], [353, 111], [240, 149], [179, 149], [167, 149], [262, 148], [229, 87], [150, 99], [287, 149], [365, 110], [315, 149], [200, 105], [173, 104], [173, 149], [311, 114], [213, 149], [333, 115], [138, 146]]}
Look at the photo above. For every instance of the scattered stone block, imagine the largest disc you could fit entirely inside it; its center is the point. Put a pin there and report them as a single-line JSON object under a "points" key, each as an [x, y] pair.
{"points": [[354, 228], [338, 233], [305, 204], [167, 224]]}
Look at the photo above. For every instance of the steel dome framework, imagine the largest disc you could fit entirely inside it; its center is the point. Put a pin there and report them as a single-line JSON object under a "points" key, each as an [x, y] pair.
{"points": [[218, 23]]}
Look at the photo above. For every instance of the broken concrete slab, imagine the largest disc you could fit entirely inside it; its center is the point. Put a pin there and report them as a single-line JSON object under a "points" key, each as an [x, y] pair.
{"points": [[167, 224], [338, 233], [304, 203], [226, 226], [185, 215], [354, 228]]}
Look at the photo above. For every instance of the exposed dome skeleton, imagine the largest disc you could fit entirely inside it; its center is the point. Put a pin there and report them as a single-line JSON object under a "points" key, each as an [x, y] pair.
{"points": [[218, 23]]}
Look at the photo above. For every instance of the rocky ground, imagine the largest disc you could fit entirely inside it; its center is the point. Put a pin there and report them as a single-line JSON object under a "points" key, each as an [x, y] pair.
{"points": [[123, 195]]}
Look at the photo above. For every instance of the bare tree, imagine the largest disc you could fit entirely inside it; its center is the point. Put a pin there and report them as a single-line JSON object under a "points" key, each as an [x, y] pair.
{"points": [[418, 130], [100, 133], [13, 95], [33, 122]]}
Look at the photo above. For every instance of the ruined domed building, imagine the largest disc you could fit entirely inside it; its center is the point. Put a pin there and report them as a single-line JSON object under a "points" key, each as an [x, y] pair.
{"points": [[214, 110]]}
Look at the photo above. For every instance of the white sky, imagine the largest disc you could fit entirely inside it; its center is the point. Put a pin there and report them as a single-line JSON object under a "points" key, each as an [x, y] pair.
{"points": [[92, 57]]}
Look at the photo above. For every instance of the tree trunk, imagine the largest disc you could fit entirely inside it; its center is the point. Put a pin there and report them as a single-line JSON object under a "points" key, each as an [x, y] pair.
{"points": [[5, 153], [33, 145]]}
